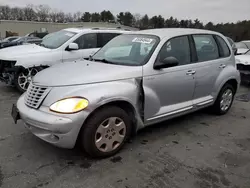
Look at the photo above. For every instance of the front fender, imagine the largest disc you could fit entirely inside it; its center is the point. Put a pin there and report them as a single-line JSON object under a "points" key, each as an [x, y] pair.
{"points": [[99, 94]]}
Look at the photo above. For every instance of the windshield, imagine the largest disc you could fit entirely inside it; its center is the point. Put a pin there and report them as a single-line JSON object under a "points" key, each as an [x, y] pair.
{"points": [[131, 50], [57, 39], [240, 45]]}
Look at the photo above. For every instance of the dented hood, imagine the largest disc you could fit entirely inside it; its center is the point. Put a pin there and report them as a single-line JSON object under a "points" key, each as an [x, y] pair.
{"points": [[14, 52], [85, 72]]}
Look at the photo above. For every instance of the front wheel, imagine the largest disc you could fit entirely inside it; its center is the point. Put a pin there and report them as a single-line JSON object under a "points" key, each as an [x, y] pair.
{"points": [[224, 100], [24, 77], [106, 132]]}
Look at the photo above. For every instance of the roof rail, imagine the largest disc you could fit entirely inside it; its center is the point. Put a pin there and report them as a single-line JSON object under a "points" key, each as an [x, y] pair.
{"points": [[97, 28]]}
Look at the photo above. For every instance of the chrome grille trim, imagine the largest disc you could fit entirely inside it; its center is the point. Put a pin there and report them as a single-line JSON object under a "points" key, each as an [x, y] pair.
{"points": [[35, 95]]}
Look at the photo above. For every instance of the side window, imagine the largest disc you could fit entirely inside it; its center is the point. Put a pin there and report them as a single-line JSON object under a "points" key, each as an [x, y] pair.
{"points": [[105, 38], [177, 47], [206, 47], [87, 41], [223, 47]]}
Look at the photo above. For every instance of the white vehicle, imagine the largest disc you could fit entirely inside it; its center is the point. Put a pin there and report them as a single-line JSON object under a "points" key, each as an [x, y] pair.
{"points": [[243, 65], [19, 64]]}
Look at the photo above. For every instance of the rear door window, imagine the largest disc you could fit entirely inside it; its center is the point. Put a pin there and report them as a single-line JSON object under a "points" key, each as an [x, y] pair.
{"points": [[104, 38], [87, 41], [206, 47]]}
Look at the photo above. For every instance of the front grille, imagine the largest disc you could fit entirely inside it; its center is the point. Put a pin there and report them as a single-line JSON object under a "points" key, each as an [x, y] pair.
{"points": [[35, 95]]}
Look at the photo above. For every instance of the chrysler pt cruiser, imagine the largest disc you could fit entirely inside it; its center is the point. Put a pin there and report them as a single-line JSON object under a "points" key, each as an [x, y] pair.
{"points": [[134, 81]]}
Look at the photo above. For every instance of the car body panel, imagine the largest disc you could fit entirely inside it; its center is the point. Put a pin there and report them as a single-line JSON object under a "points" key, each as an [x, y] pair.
{"points": [[85, 72]]}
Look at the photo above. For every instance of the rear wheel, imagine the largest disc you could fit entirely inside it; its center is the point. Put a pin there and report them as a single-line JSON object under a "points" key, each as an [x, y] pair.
{"points": [[106, 132], [24, 77], [224, 100]]}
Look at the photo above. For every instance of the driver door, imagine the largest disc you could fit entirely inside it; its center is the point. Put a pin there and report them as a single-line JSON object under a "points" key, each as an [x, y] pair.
{"points": [[87, 44], [169, 91]]}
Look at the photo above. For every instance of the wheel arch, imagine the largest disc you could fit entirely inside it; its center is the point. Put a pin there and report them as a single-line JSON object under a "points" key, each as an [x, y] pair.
{"points": [[123, 104]]}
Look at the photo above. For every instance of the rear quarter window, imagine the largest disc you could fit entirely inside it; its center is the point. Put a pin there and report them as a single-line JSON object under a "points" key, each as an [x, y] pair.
{"points": [[223, 47]]}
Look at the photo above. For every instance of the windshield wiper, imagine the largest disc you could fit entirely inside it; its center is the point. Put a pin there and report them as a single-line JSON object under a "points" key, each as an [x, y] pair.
{"points": [[104, 61]]}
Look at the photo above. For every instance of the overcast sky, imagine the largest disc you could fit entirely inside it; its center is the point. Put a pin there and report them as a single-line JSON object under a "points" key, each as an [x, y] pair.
{"points": [[205, 10]]}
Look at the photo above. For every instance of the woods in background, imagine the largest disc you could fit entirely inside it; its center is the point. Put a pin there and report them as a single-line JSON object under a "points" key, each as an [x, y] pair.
{"points": [[43, 13]]}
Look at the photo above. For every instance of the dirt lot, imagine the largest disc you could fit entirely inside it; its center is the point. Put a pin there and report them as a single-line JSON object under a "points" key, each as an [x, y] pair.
{"points": [[196, 151]]}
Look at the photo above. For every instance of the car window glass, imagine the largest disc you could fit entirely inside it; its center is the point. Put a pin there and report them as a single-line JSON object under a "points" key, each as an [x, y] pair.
{"points": [[106, 37], [240, 45], [206, 47], [224, 49], [248, 44], [128, 49], [87, 41], [177, 47]]}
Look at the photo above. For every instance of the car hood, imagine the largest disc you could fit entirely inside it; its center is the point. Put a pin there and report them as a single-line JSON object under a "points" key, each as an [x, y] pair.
{"points": [[243, 59], [84, 72], [13, 53]]}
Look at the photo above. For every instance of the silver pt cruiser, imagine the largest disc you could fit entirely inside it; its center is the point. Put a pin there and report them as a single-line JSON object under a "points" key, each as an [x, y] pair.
{"points": [[134, 81]]}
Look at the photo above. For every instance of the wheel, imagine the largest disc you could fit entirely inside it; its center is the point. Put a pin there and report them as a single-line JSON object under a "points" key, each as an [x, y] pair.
{"points": [[106, 132], [224, 100], [24, 77]]}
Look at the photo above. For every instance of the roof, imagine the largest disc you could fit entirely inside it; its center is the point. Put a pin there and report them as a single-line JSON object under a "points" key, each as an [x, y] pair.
{"points": [[171, 32], [82, 30]]}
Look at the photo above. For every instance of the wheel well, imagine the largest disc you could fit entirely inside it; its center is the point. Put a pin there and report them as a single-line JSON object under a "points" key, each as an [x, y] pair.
{"points": [[126, 106], [233, 83]]}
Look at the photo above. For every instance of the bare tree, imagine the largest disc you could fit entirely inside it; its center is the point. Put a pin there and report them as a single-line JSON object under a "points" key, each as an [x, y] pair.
{"points": [[69, 17], [77, 16], [29, 13], [43, 12], [5, 12]]}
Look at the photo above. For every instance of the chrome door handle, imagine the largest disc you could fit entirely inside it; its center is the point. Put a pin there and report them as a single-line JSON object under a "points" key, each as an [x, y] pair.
{"points": [[191, 72], [222, 66]]}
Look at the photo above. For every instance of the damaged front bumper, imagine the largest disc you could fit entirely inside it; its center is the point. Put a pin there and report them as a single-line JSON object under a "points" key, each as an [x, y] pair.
{"points": [[244, 72], [7, 71]]}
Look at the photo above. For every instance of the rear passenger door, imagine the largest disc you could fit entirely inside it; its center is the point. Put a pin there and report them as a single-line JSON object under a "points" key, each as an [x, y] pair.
{"points": [[212, 52]]}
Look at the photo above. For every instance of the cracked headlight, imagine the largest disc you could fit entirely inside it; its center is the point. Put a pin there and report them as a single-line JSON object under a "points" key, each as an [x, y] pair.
{"points": [[69, 105]]}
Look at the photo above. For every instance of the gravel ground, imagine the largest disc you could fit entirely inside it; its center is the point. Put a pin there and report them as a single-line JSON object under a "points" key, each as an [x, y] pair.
{"points": [[196, 151]]}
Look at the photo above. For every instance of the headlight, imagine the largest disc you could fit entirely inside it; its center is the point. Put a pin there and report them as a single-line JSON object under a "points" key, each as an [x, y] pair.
{"points": [[69, 105]]}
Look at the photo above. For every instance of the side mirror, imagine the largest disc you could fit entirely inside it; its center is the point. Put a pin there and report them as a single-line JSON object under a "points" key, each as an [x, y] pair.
{"points": [[167, 62], [72, 46]]}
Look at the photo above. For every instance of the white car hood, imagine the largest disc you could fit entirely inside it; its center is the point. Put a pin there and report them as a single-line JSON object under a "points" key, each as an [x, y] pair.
{"points": [[13, 53], [243, 59], [84, 72]]}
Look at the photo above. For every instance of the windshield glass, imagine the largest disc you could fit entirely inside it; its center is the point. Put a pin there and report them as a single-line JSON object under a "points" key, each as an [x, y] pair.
{"points": [[55, 40], [240, 45], [131, 50]]}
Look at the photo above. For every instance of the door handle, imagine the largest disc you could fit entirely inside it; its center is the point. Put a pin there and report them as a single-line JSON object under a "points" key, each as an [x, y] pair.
{"points": [[222, 66], [191, 72]]}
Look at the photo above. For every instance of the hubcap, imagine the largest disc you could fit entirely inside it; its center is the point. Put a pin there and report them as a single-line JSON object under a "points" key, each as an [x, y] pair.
{"points": [[110, 134], [25, 77], [226, 100]]}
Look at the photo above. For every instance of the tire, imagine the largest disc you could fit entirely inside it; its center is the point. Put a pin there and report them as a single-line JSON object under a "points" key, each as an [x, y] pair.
{"points": [[217, 108], [24, 74], [90, 132]]}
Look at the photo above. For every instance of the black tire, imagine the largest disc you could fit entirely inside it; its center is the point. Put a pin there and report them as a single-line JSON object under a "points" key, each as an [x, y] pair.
{"points": [[87, 137], [216, 108]]}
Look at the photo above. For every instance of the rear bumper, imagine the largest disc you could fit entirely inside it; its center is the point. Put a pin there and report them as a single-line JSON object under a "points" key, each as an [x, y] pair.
{"points": [[54, 129]]}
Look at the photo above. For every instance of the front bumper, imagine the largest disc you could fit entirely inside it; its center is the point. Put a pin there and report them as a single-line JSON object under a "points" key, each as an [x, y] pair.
{"points": [[58, 130]]}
